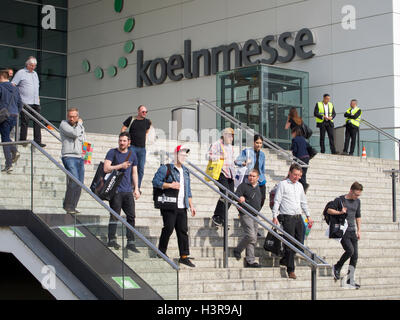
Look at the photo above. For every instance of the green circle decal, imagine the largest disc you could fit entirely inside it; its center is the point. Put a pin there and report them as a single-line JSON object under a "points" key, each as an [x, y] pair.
{"points": [[118, 5], [129, 46], [122, 62], [99, 73], [129, 25], [86, 65], [112, 71]]}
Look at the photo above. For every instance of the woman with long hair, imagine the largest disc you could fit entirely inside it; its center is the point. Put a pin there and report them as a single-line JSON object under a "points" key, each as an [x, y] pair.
{"points": [[293, 120]]}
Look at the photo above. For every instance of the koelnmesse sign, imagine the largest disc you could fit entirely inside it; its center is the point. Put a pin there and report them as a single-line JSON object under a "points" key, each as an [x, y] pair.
{"points": [[188, 65]]}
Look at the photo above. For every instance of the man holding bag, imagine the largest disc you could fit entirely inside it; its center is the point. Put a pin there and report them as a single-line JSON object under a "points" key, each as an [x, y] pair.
{"points": [[72, 135], [222, 150], [176, 176], [127, 192], [352, 207], [289, 203]]}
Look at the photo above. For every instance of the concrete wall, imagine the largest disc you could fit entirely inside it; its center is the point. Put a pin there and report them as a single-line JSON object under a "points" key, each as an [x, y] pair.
{"points": [[361, 63]]}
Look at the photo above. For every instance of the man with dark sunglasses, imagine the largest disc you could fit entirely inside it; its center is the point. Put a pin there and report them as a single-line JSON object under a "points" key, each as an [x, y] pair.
{"points": [[138, 128]]}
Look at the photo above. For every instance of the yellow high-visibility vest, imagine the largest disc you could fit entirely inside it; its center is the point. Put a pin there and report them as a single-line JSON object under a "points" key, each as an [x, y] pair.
{"points": [[321, 111], [355, 122]]}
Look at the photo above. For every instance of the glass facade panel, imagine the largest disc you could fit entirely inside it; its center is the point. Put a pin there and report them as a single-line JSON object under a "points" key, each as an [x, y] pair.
{"points": [[22, 35], [261, 96]]}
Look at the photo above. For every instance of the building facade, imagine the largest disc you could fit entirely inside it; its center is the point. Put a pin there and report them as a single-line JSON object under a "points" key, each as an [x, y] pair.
{"points": [[125, 53], [24, 32]]}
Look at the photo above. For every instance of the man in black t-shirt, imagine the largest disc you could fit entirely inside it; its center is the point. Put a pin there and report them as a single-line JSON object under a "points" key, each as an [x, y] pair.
{"points": [[351, 205], [138, 128]]}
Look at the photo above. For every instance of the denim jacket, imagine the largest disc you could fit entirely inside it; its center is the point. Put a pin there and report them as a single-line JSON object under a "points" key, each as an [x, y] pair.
{"points": [[250, 153], [159, 179]]}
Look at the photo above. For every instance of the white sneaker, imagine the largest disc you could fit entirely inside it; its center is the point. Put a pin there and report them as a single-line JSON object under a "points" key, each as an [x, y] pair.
{"points": [[7, 169]]}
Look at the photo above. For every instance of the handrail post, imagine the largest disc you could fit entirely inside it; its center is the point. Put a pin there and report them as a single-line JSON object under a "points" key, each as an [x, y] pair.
{"points": [[226, 252], [313, 280], [394, 176]]}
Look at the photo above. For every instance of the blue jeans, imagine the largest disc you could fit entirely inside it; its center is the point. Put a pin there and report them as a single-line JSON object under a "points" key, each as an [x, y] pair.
{"points": [[140, 154], [5, 129], [73, 192]]}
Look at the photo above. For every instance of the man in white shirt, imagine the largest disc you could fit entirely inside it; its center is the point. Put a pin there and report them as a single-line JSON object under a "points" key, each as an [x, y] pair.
{"points": [[324, 113], [289, 202], [27, 82]]}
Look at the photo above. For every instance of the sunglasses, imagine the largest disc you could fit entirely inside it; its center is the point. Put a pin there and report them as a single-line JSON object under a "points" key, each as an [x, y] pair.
{"points": [[145, 111]]}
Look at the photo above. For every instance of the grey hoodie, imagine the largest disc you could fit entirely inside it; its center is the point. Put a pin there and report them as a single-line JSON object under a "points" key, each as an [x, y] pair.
{"points": [[72, 138]]}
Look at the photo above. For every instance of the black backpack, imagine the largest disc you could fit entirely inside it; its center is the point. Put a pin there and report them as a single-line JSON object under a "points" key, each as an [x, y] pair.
{"points": [[166, 198]]}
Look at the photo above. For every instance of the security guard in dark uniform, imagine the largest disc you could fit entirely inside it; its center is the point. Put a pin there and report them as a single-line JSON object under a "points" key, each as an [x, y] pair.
{"points": [[353, 118], [324, 114]]}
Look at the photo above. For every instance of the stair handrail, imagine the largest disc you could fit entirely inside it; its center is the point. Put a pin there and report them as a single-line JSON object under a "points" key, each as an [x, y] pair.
{"points": [[248, 130], [239, 206], [96, 198], [31, 113], [249, 208], [387, 135]]}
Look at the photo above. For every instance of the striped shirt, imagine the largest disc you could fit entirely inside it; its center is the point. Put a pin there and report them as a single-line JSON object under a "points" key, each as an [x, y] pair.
{"points": [[219, 150]]}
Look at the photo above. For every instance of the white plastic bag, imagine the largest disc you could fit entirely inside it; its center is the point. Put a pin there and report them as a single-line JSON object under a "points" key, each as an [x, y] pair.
{"points": [[239, 176]]}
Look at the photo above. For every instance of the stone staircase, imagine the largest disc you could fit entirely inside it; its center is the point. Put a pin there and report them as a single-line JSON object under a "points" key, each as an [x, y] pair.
{"points": [[378, 268]]}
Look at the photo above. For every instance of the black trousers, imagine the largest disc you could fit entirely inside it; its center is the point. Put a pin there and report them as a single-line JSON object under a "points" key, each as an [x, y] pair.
{"points": [[126, 202], [175, 219], [295, 227], [326, 126], [350, 245], [220, 208], [263, 190], [351, 133], [303, 179], [37, 135]]}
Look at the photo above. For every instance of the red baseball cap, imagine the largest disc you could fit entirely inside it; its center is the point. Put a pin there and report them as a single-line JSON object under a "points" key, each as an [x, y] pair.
{"points": [[182, 148]]}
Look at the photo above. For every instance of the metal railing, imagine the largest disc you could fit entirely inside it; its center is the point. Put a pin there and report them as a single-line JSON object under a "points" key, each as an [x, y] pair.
{"points": [[382, 132], [314, 260], [95, 197], [266, 142], [36, 117]]}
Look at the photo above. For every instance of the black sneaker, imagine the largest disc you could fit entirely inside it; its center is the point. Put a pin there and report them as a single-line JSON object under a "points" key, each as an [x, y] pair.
{"points": [[237, 254], [218, 221], [113, 244], [132, 247], [252, 265], [41, 145], [187, 262], [336, 273]]}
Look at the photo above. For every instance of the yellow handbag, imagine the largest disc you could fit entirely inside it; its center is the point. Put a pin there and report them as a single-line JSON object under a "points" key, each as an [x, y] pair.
{"points": [[214, 168]]}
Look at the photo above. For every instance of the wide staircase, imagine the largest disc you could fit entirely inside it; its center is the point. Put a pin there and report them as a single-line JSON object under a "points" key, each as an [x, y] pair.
{"points": [[378, 269]]}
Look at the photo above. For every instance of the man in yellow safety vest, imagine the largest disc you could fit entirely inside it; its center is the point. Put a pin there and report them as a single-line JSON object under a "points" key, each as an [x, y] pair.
{"points": [[324, 113], [353, 117]]}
